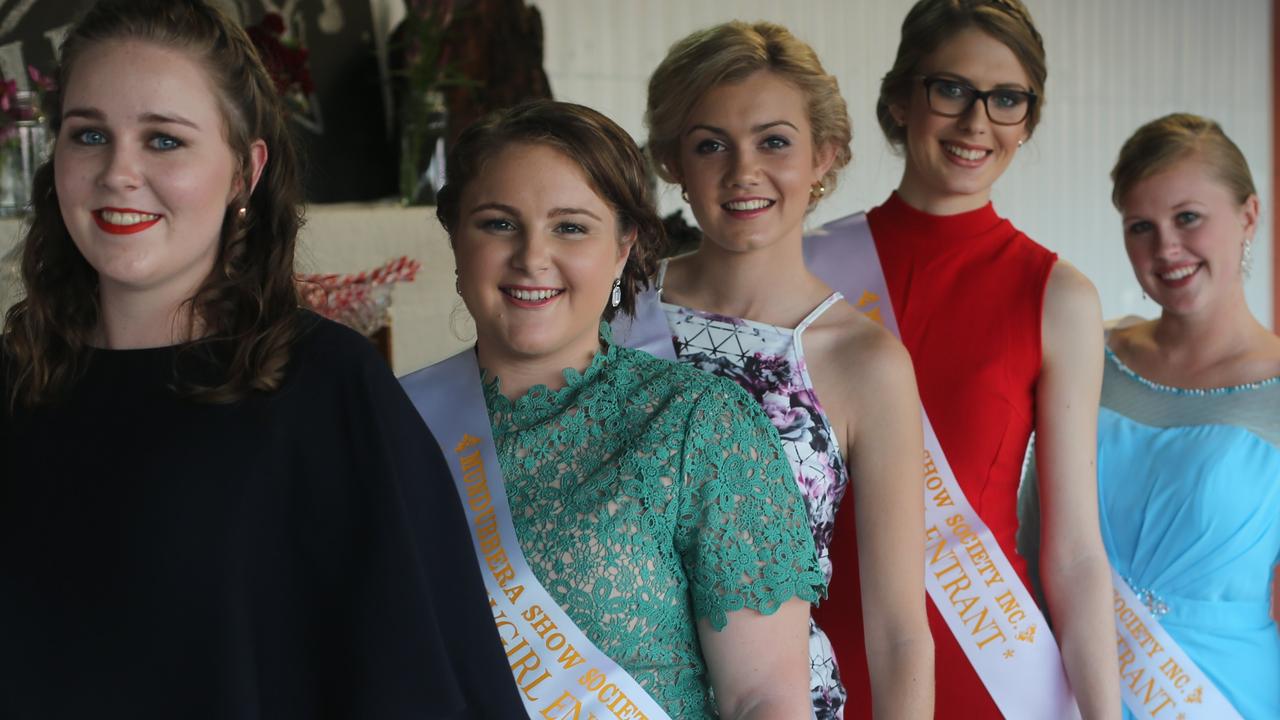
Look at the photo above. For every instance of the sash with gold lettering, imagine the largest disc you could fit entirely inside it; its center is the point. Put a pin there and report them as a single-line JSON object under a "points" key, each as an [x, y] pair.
{"points": [[968, 576], [1157, 679], [560, 673]]}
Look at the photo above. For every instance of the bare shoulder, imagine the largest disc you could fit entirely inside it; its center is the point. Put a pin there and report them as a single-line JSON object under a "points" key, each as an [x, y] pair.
{"points": [[874, 360], [1072, 315], [1069, 291]]}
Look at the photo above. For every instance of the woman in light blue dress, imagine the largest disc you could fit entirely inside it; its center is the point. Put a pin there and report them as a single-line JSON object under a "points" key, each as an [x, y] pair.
{"points": [[1189, 428]]}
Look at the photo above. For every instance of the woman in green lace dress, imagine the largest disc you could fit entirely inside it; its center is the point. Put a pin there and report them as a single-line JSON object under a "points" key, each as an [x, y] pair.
{"points": [[652, 501]]}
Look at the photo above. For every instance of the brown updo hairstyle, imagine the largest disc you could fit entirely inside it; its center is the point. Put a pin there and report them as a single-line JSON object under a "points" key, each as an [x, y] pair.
{"points": [[247, 308], [728, 53], [1164, 142], [930, 23], [604, 151]]}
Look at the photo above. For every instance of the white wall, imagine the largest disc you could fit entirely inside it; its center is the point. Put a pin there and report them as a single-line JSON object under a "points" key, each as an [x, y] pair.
{"points": [[1113, 64]]}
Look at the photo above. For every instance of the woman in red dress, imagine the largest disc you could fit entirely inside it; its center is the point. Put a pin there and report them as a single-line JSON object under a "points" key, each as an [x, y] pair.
{"points": [[1005, 338]]}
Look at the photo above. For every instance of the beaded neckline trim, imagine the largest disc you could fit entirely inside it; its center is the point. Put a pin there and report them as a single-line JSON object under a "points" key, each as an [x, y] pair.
{"points": [[1187, 392]]}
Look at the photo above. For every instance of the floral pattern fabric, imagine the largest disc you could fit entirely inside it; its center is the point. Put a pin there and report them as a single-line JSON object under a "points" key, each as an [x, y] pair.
{"points": [[646, 496], [768, 362]]}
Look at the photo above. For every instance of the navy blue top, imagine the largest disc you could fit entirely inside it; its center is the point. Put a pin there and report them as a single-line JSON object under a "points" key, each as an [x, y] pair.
{"points": [[279, 557]]}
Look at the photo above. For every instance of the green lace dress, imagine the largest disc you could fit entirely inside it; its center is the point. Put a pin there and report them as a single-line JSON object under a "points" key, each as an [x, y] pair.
{"points": [[647, 495]]}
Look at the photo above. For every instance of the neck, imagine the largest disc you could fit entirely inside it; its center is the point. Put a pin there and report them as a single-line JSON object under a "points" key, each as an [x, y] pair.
{"points": [[768, 284], [924, 198], [1201, 340], [520, 373], [133, 320]]}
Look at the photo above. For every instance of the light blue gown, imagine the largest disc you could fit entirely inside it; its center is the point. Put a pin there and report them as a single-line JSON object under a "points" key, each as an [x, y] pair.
{"points": [[1189, 492]]}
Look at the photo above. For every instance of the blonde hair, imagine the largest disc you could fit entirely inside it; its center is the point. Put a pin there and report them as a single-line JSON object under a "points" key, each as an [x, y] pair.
{"points": [[930, 23], [1163, 142], [730, 52]]}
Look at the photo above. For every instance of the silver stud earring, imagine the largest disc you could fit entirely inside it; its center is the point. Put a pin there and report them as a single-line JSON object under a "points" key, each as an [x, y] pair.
{"points": [[242, 212], [1021, 141], [615, 297]]}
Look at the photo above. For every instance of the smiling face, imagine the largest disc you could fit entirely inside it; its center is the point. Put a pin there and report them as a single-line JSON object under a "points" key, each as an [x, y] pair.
{"points": [[143, 171], [1185, 233], [747, 162], [537, 251], [952, 162]]}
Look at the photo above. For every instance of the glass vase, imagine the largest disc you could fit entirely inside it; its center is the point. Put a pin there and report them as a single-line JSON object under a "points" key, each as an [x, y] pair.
{"points": [[24, 145], [422, 148]]}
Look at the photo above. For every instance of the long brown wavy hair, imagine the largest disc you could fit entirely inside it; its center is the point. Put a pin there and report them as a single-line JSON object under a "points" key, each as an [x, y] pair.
{"points": [[246, 309]]}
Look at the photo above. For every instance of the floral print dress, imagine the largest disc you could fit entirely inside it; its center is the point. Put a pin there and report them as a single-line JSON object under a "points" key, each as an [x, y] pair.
{"points": [[768, 362]]}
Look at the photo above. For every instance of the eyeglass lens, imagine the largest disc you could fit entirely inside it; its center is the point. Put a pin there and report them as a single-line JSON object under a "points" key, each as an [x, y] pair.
{"points": [[951, 98]]}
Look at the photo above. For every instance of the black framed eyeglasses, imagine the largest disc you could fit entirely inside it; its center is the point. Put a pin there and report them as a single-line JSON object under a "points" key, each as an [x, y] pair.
{"points": [[952, 98]]}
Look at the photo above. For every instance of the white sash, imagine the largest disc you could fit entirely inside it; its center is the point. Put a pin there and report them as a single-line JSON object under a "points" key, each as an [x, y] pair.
{"points": [[561, 674], [966, 573], [1157, 679], [968, 576]]}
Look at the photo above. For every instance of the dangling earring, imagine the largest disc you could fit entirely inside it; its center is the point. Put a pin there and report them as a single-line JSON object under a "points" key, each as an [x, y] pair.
{"points": [[817, 190], [615, 297], [457, 282], [1246, 259], [684, 195]]}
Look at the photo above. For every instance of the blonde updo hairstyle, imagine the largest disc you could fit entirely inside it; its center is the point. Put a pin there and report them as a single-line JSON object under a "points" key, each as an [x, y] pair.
{"points": [[930, 23], [1164, 142], [728, 53]]}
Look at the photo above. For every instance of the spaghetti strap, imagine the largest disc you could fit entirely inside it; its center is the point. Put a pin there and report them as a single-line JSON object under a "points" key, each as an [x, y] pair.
{"points": [[814, 314]]}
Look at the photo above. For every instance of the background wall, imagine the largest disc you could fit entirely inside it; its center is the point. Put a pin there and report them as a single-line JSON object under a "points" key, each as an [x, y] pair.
{"points": [[1113, 65]]}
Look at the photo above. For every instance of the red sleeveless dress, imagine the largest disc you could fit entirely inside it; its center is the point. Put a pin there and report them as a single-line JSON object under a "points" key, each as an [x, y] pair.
{"points": [[968, 291]]}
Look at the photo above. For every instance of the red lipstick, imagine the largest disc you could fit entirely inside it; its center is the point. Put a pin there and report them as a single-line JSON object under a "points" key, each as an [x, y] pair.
{"points": [[115, 229]]}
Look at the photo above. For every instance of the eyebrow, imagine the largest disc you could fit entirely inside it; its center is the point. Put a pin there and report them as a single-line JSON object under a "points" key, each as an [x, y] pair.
{"points": [[149, 118], [960, 78], [756, 129], [555, 212]]}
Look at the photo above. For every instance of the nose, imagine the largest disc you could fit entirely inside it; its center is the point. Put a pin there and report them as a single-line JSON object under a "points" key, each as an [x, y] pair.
{"points": [[122, 169], [744, 169], [975, 119], [1167, 244], [533, 251]]}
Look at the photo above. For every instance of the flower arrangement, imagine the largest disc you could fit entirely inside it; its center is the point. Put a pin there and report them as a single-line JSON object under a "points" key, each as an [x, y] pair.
{"points": [[285, 60], [358, 300], [15, 108]]}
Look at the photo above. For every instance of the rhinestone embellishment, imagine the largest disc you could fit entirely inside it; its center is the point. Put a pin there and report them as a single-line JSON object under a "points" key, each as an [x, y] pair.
{"points": [[1155, 604]]}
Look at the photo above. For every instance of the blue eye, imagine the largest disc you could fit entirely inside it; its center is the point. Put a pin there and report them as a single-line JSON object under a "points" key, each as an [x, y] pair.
{"points": [[165, 142], [568, 228], [776, 142], [1008, 100], [951, 90], [90, 137], [706, 147], [497, 225], [1187, 217]]}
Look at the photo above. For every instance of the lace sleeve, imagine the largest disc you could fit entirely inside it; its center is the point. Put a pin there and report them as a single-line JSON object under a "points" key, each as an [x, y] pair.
{"points": [[742, 533]]}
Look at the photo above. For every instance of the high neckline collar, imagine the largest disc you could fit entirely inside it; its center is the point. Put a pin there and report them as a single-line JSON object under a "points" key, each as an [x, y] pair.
{"points": [[940, 227], [540, 403]]}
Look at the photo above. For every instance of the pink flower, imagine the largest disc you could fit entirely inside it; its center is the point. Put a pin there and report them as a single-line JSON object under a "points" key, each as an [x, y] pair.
{"points": [[42, 81]]}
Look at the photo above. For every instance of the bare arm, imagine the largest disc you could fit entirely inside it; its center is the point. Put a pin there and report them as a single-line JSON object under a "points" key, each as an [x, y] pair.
{"points": [[885, 445], [1073, 561], [759, 664]]}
